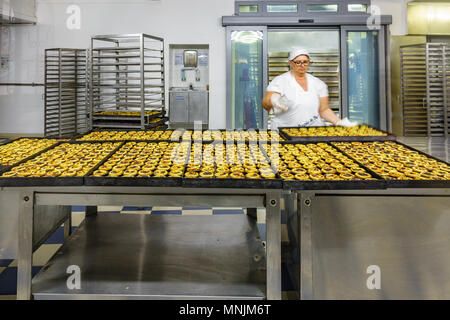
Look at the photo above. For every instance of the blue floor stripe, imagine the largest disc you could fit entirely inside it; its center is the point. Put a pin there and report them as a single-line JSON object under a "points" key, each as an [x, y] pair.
{"points": [[197, 208], [78, 208], [225, 211], [8, 280], [5, 262], [167, 212], [109, 212], [137, 209], [58, 236]]}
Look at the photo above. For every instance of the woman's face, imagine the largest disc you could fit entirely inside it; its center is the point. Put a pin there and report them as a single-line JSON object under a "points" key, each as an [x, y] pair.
{"points": [[300, 64]]}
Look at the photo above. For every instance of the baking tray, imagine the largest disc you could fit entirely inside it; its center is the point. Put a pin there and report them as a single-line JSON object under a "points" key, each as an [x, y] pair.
{"points": [[130, 181], [45, 181], [4, 141], [127, 117], [123, 129], [388, 137], [57, 140], [126, 124], [223, 130], [335, 185], [412, 183], [230, 182]]}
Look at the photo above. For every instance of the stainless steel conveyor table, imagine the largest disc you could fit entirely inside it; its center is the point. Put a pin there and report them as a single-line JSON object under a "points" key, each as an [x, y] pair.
{"points": [[79, 248], [340, 241]]}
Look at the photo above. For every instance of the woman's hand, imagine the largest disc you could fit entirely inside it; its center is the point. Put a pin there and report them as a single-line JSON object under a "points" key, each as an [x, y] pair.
{"points": [[346, 123], [279, 103]]}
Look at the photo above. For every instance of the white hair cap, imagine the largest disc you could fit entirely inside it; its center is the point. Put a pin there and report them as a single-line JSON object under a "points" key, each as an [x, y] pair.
{"points": [[297, 52]]}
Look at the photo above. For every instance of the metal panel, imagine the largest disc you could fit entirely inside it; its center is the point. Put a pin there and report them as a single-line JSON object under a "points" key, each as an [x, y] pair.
{"points": [[9, 221], [159, 257], [406, 237], [47, 219], [155, 200], [198, 106], [179, 102], [322, 20]]}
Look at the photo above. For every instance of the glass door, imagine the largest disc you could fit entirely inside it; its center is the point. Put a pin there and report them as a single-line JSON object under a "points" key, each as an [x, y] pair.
{"points": [[324, 48], [246, 76], [364, 76]]}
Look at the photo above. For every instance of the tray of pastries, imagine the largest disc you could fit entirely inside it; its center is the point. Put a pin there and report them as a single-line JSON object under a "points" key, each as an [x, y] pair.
{"points": [[335, 133], [232, 135], [319, 166], [142, 164], [17, 150], [236, 165], [63, 165], [398, 164], [127, 114], [126, 135]]}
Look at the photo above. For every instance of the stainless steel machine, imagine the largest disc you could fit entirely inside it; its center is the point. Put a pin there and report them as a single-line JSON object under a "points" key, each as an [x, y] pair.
{"points": [[189, 86], [187, 107]]}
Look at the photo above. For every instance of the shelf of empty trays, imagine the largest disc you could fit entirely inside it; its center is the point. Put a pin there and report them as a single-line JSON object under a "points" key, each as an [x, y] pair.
{"points": [[116, 135], [319, 166], [142, 164], [127, 80], [63, 165], [232, 135], [229, 165], [332, 133], [66, 98], [20, 149], [398, 164]]}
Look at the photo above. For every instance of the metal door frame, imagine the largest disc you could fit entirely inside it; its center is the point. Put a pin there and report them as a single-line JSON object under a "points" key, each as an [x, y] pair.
{"points": [[230, 29], [382, 67]]}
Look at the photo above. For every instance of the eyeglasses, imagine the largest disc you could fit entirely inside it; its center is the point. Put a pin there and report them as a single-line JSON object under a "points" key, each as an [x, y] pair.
{"points": [[303, 63]]}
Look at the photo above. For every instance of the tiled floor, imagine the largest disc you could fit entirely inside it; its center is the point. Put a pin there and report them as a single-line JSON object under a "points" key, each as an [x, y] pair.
{"points": [[8, 268]]}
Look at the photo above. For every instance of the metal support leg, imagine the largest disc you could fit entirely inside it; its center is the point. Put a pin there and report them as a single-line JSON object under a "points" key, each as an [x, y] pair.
{"points": [[306, 274], [273, 245], [252, 212], [25, 253]]}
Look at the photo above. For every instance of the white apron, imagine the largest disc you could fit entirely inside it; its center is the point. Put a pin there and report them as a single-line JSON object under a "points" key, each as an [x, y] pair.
{"points": [[303, 107]]}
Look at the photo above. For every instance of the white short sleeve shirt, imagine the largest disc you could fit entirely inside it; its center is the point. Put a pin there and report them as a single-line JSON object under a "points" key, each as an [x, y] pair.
{"points": [[303, 106]]}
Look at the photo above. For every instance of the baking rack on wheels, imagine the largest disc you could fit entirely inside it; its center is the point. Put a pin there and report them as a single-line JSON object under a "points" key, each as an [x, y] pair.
{"points": [[152, 256], [127, 81]]}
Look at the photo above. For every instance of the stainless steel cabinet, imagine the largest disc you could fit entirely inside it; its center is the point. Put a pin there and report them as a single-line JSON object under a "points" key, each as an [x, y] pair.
{"points": [[187, 107], [198, 106], [179, 106]]}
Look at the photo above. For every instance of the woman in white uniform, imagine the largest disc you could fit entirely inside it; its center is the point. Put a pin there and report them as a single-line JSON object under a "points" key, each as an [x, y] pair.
{"points": [[299, 99]]}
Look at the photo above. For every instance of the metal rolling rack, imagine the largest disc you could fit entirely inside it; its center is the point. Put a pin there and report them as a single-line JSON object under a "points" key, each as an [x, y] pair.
{"points": [[424, 78], [325, 66], [127, 74], [447, 89], [66, 92]]}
